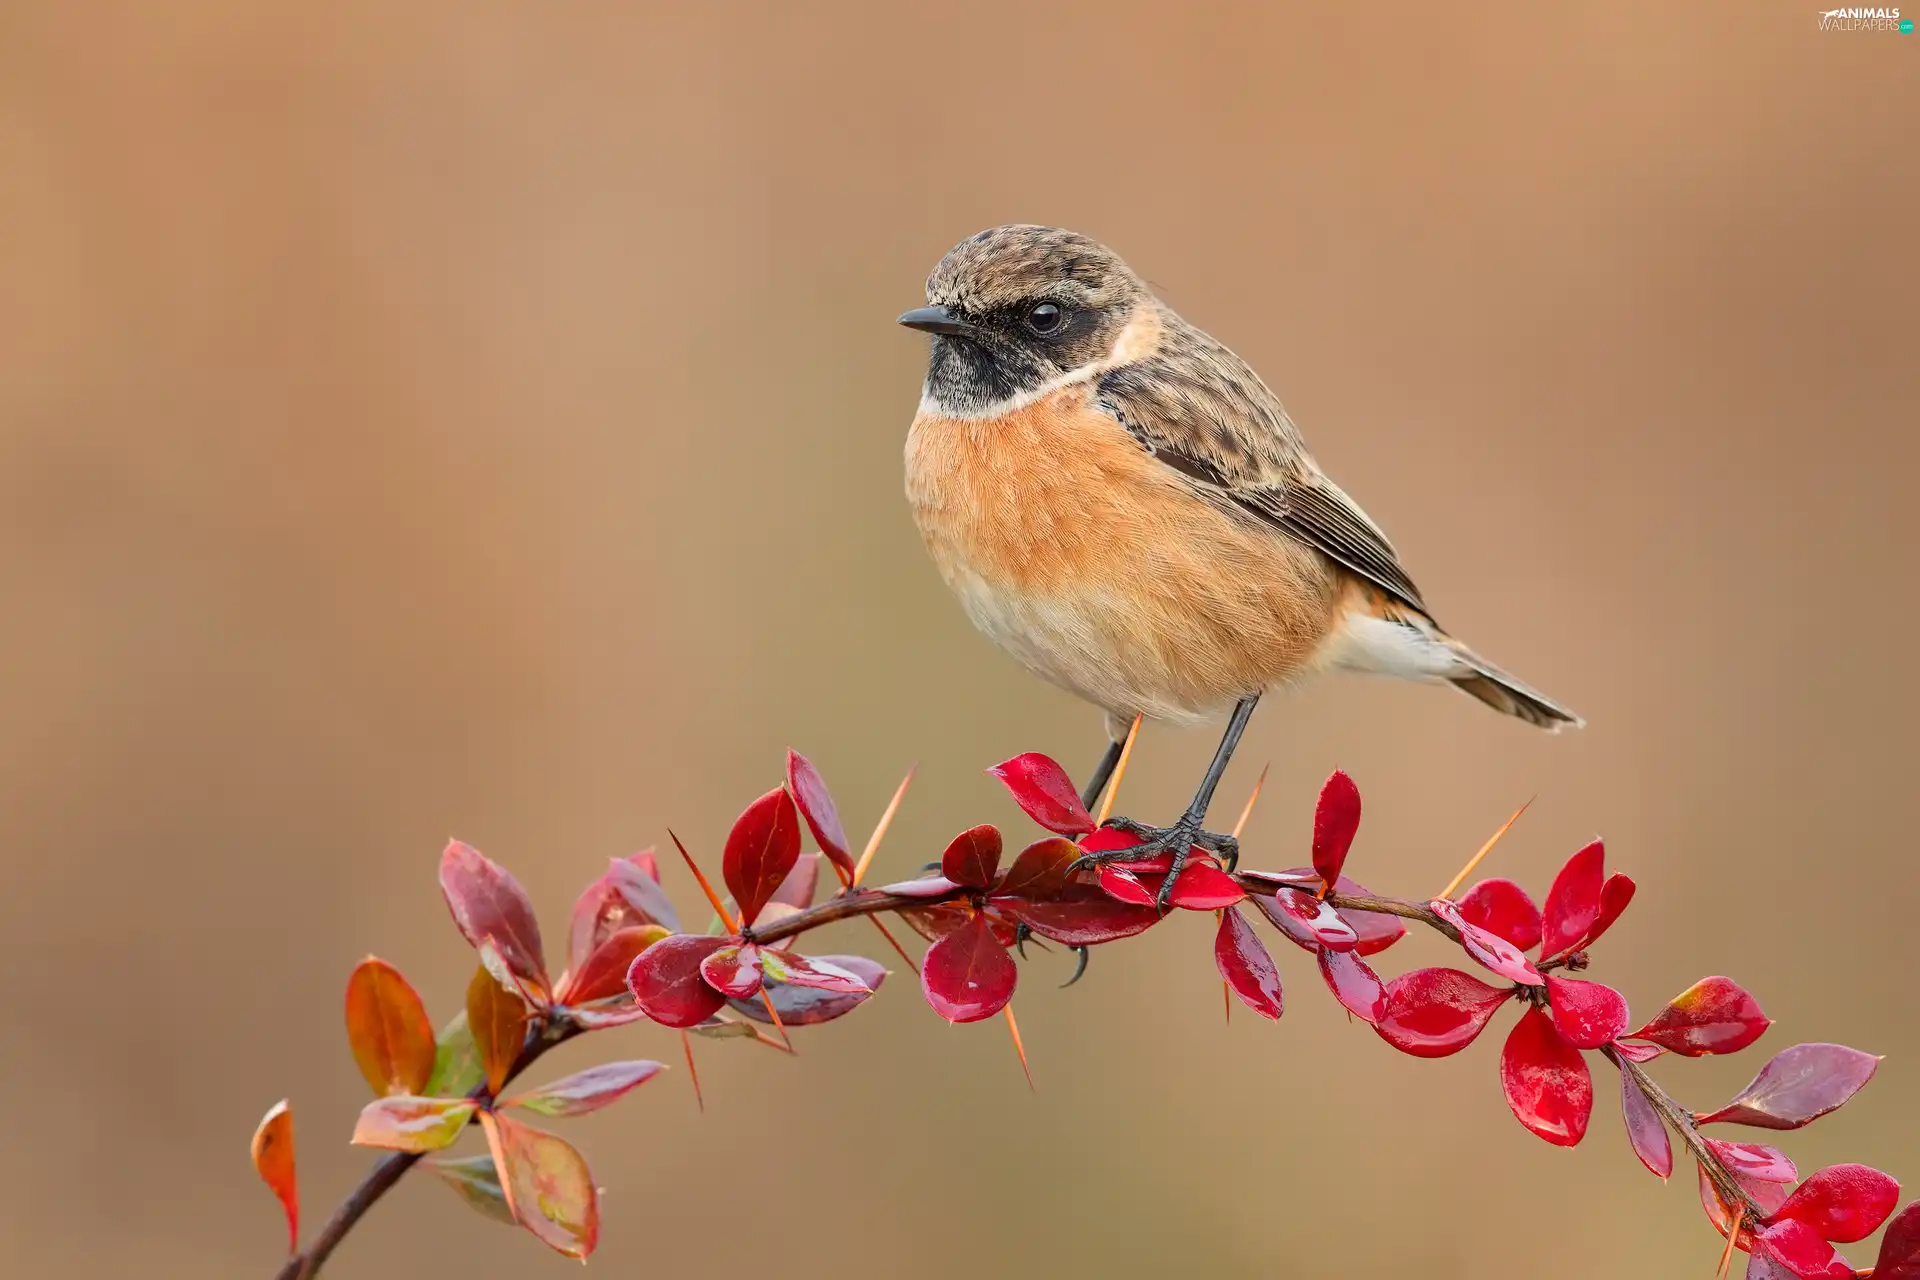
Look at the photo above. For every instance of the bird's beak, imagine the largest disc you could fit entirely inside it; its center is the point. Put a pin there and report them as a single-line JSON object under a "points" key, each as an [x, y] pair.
{"points": [[935, 320]]}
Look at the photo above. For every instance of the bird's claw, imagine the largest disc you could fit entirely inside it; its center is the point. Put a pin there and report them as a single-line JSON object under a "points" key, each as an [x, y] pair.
{"points": [[1079, 966], [1179, 840]]}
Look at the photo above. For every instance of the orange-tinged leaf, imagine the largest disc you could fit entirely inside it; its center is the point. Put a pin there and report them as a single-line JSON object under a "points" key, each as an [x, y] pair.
{"points": [[273, 1161], [406, 1123], [497, 1019], [476, 1181], [604, 973], [547, 1184], [388, 1028]]}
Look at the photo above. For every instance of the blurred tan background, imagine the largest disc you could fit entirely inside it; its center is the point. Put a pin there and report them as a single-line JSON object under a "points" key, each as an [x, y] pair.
{"points": [[436, 419]]}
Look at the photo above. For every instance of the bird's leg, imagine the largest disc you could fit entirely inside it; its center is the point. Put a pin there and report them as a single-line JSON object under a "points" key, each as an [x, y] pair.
{"points": [[1101, 772], [1188, 833]]}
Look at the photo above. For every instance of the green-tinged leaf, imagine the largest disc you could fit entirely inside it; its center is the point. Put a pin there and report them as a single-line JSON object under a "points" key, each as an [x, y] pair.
{"points": [[588, 1090], [273, 1161], [547, 1184], [475, 1180], [456, 1061], [497, 1018], [407, 1123], [723, 1029], [387, 1027]]}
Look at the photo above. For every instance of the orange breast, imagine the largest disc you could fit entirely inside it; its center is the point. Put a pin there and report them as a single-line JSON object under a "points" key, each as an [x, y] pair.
{"points": [[1104, 570]]}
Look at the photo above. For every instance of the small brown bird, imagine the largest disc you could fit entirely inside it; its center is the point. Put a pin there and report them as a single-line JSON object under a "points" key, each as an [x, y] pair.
{"points": [[1122, 505]]}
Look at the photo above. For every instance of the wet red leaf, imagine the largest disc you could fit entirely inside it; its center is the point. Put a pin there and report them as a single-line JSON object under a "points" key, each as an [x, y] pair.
{"points": [[588, 1090], [733, 970], [1573, 904], [497, 1019], [1376, 929], [604, 975], [1638, 1052], [937, 921], [807, 1006], [403, 1122], [1900, 1248], [1203, 887], [1243, 961], [1754, 1160], [547, 1184], [1040, 871], [816, 806], [796, 970], [388, 1029], [1124, 886], [1503, 908], [1843, 1202], [1546, 1080], [1644, 1130], [973, 858], [1041, 788], [488, 903], [924, 887], [1081, 915], [1615, 894], [1431, 1013], [968, 975], [666, 983], [1490, 949], [602, 911], [637, 883], [1714, 1015], [1798, 1086], [800, 886], [1307, 920], [1799, 1249], [273, 1161], [761, 849], [1354, 984], [1336, 817], [1588, 1014], [1108, 839]]}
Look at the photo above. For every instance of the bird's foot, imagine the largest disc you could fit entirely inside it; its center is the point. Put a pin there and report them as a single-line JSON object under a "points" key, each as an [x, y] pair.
{"points": [[1179, 840]]}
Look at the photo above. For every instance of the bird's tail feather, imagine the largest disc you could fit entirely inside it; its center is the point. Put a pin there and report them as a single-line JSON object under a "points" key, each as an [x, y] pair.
{"points": [[1482, 680]]}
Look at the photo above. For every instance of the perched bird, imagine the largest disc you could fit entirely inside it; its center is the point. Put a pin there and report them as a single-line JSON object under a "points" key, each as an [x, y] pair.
{"points": [[1121, 504]]}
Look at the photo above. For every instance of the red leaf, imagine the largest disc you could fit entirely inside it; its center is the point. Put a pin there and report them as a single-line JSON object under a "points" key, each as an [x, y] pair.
{"points": [[273, 1161], [816, 806], [1080, 915], [487, 902], [1799, 1086], [1615, 894], [588, 1090], [1335, 820], [666, 983], [796, 970], [761, 849], [1799, 1249], [973, 857], [387, 1028], [1431, 1013], [1124, 886], [924, 887], [1376, 929], [1546, 1080], [1307, 920], [1712, 1016], [497, 1018], [1637, 1052], [403, 1122], [1354, 985], [733, 970], [1040, 871], [1245, 964], [1900, 1248], [602, 911], [637, 883], [1204, 887], [1755, 1161], [968, 975], [807, 1006], [1573, 904], [547, 1184], [604, 975], [1502, 907], [1589, 1014], [1644, 1130], [1041, 788], [1490, 949], [800, 886], [1843, 1202], [1108, 839]]}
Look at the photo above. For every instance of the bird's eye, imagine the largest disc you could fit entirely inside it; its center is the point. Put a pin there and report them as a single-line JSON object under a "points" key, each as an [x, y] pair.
{"points": [[1045, 317]]}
